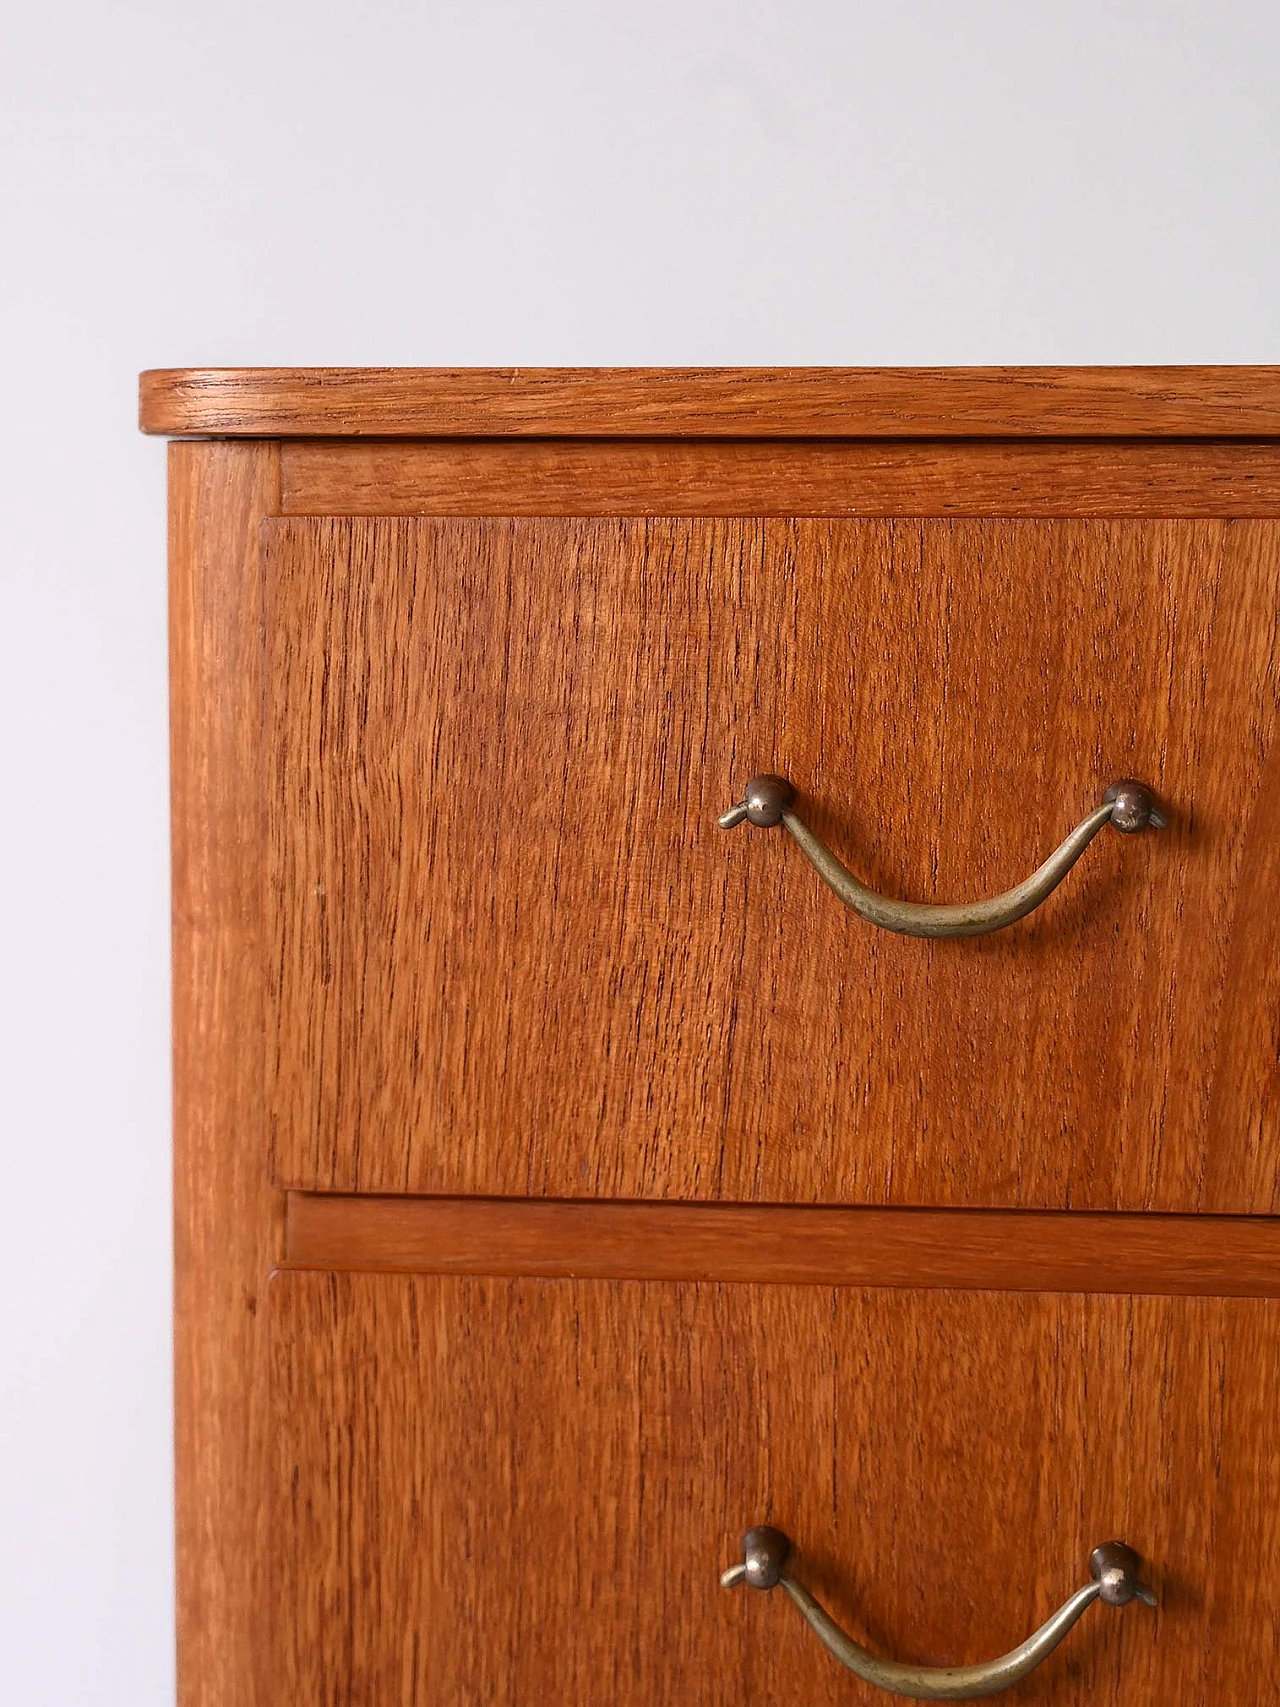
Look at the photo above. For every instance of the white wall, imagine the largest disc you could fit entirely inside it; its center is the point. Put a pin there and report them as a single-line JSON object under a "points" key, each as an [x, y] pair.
{"points": [[259, 182]]}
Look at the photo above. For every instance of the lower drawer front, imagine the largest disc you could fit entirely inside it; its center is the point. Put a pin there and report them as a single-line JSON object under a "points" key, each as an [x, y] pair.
{"points": [[525, 1491]]}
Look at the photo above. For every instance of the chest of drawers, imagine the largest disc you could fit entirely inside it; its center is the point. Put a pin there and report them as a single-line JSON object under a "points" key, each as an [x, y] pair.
{"points": [[568, 1182]]}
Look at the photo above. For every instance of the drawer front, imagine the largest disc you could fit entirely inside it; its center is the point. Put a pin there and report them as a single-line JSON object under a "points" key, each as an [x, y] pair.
{"points": [[524, 1492], [511, 953]]}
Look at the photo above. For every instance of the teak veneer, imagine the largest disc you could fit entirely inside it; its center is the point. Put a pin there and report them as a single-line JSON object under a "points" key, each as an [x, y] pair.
{"points": [[563, 1185], [828, 477], [496, 750], [991, 1250], [944, 1461], [766, 403]]}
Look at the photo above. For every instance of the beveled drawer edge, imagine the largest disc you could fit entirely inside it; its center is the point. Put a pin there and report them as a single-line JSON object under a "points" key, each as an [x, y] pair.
{"points": [[973, 1249]]}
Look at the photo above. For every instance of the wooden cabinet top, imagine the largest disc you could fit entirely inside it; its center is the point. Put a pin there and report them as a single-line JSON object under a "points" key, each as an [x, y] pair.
{"points": [[800, 402]]}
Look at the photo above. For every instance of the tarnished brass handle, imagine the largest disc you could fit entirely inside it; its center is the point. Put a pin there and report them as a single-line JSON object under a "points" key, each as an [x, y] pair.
{"points": [[1127, 806], [1113, 1567]]}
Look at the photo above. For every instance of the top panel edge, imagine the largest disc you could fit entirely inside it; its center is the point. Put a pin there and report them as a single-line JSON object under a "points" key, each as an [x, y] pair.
{"points": [[795, 402]]}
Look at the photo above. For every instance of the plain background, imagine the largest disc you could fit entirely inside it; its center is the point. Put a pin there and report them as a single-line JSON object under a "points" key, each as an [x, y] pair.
{"points": [[264, 183]]}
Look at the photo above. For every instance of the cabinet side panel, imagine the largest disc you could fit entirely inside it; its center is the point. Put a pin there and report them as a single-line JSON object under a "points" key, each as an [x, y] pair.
{"points": [[226, 1227]]}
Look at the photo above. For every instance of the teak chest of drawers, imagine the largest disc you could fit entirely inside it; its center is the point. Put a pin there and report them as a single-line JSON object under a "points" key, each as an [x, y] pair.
{"points": [[568, 1182]]}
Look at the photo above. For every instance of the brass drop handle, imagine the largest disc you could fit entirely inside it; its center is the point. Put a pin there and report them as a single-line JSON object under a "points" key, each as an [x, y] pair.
{"points": [[1113, 1567], [1127, 806]]}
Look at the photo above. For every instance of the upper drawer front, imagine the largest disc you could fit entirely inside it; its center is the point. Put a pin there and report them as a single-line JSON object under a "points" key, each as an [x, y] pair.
{"points": [[510, 951], [523, 1493]]}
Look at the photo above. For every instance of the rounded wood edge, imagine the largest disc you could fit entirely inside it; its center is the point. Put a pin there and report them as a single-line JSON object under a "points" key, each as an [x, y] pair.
{"points": [[817, 402]]}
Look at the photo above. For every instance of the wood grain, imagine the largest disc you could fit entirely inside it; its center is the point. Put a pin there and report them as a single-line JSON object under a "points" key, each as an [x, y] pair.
{"points": [[504, 951], [227, 1221], [511, 954], [814, 402], [701, 477], [1226, 1256], [523, 1492]]}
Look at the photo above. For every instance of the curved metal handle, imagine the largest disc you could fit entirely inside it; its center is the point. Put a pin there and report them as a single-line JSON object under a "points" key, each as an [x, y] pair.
{"points": [[1113, 1567], [1127, 806]]}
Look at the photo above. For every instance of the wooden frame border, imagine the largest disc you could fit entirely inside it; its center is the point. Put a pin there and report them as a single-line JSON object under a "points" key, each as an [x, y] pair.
{"points": [[980, 1249], [228, 1222], [761, 477]]}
